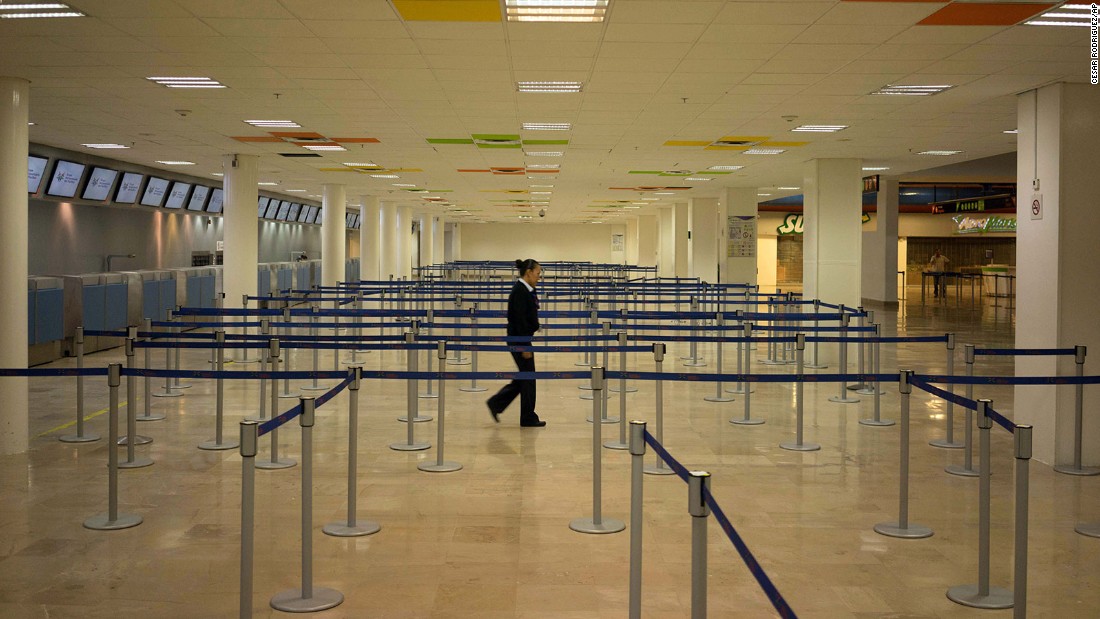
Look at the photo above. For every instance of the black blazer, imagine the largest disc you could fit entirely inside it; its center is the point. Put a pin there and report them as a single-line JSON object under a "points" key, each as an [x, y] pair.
{"points": [[523, 312]]}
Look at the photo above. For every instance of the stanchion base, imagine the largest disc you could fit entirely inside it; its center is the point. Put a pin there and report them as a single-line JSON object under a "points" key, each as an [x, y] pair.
{"points": [[815, 367], [273, 465], [428, 396], [857, 386], [695, 364], [181, 385], [960, 470], [606, 420], [342, 529], [1089, 529], [876, 422], [629, 389], [286, 395], [99, 522], [418, 419], [606, 525], [138, 463], [844, 400], [588, 396], [1083, 471], [245, 360], [585, 387], [657, 470], [152, 417], [291, 600], [913, 531], [583, 364], [774, 362], [409, 446], [312, 388], [967, 595], [747, 422], [166, 394], [717, 398], [73, 438], [869, 392], [942, 443], [444, 467], [800, 447], [138, 440], [216, 446], [738, 391], [616, 445], [473, 389], [455, 362]]}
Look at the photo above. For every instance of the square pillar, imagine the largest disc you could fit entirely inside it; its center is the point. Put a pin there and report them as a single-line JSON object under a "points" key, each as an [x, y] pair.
{"points": [[880, 249], [832, 242]]}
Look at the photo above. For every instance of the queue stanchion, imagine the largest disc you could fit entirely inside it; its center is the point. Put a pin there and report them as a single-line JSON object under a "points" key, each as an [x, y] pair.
{"points": [[872, 346], [358, 331], [948, 442], [747, 419], [177, 382], [859, 386], [219, 302], [265, 330], [458, 360], [903, 528], [249, 440], [693, 360], [698, 488], [624, 386], [168, 391], [147, 381], [876, 355], [428, 331], [440, 465], [112, 520], [659, 467], [132, 438], [274, 462], [315, 386], [773, 357], [967, 468], [799, 352], [580, 334], [286, 394], [244, 330], [622, 442], [637, 465], [597, 523], [219, 415], [473, 388], [842, 393], [1078, 420], [307, 598], [411, 413], [1022, 445], [81, 436], [718, 397], [336, 333], [981, 594], [414, 328], [740, 387], [817, 364]]}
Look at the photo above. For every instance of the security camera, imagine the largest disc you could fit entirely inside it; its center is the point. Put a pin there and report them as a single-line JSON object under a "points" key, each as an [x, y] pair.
{"points": [[542, 213], [184, 113]]}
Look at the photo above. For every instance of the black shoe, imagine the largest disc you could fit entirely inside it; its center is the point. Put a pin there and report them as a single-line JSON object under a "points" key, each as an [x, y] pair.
{"points": [[534, 424], [494, 413]]}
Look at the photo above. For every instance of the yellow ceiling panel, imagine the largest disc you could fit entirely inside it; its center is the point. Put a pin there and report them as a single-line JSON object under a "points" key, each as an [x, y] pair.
{"points": [[448, 10], [727, 147], [742, 138], [686, 143]]}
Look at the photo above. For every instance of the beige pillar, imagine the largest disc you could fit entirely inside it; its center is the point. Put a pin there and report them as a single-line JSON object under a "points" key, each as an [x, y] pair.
{"points": [[14, 112], [333, 233]]}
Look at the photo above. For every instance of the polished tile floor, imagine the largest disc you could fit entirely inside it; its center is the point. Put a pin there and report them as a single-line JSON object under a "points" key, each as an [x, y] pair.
{"points": [[493, 540]]}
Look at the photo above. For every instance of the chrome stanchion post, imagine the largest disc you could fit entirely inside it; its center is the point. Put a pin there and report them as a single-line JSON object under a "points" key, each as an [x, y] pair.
{"points": [[621, 443], [176, 384], [218, 443], [693, 360], [132, 438], [659, 357], [249, 440], [308, 598], [244, 331], [411, 412], [473, 388], [876, 353], [903, 528], [948, 442], [414, 328], [352, 527], [440, 465], [286, 394], [580, 333], [458, 360], [265, 329], [597, 523], [637, 460], [816, 365], [858, 386], [147, 381], [1022, 440], [982, 595], [1078, 420], [623, 386], [314, 386], [427, 331], [799, 381], [868, 388], [747, 419], [698, 488], [167, 391], [740, 386], [718, 397], [967, 468], [842, 393], [80, 436], [112, 519], [274, 462]]}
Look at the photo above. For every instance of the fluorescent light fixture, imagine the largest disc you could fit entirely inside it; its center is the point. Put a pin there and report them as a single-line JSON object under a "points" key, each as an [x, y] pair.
{"points": [[217, 174], [664, 193], [276, 124], [402, 185], [361, 165], [104, 146], [384, 176], [176, 162], [544, 166], [33, 10], [718, 168], [1065, 15], [820, 128], [34, 6], [632, 207], [544, 186], [788, 188], [764, 151], [186, 82], [763, 194], [942, 153], [698, 178], [31, 124], [912, 91], [548, 86], [548, 153], [295, 190], [556, 10], [525, 217], [268, 184], [541, 193], [323, 147], [1012, 131], [875, 169], [547, 126]]}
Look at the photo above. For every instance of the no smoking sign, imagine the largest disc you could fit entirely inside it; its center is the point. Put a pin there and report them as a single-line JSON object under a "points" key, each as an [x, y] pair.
{"points": [[1037, 206]]}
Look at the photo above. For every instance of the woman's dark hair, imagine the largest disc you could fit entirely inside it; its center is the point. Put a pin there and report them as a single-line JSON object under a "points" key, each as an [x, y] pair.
{"points": [[523, 266]]}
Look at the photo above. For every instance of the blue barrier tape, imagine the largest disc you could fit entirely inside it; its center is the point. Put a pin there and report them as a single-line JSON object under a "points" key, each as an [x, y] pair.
{"points": [[275, 422], [755, 378], [1025, 351], [39, 372], [1011, 380], [997, 417]]}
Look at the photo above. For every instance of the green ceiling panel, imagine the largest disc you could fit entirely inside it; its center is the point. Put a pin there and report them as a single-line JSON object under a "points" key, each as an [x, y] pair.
{"points": [[503, 145], [450, 141], [494, 136]]}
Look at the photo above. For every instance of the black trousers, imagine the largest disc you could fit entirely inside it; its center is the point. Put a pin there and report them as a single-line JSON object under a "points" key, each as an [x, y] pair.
{"points": [[525, 389]]}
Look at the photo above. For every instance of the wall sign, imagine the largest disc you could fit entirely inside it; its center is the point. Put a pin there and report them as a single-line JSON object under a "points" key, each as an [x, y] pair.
{"points": [[793, 224], [1036, 206], [741, 236], [966, 224]]}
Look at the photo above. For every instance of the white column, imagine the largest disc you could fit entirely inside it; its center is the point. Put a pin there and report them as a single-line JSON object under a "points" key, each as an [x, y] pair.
{"points": [[368, 238], [831, 244], [437, 239], [242, 227], [334, 231], [405, 241], [880, 249], [1058, 285], [647, 240], [739, 203], [681, 255], [427, 239], [666, 243], [704, 238], [388, 241], [14, 112], [632, 241], [456, 242]]}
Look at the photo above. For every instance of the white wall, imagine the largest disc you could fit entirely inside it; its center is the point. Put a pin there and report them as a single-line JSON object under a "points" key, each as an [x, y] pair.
{"points": [[541, 241], [767, 261]]}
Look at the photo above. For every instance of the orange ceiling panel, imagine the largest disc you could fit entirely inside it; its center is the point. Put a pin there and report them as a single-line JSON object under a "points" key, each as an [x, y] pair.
{"points": [[298, 135], [356, 140], [984, 14], [256, 138]]}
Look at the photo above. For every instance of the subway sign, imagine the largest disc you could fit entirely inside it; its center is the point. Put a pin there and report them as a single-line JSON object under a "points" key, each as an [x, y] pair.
{"points": [[965, 224], [793, 224]]}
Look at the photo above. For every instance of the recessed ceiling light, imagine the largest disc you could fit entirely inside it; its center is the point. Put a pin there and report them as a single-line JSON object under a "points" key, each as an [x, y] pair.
{"points": [[820, 128], [1065, 15], [104, 146], [698, 178], [912, 91], [556, 10], [548, 153], [763, 194], [764, 151], [384, 176], [544, 166], [176, 162], [632, 207], [788, 188], [875, 169], [295, 190], [943, 153], [541, 193], [217, 174], [1012, 131], [361, 165], [548, 86], [274, 124], [546, 126], [717, 168], [664, 193], [546, 186], [186, 82], [402, 185], [325, 147], [30, 124], [32, 10], [650, 199], [268, 184]]}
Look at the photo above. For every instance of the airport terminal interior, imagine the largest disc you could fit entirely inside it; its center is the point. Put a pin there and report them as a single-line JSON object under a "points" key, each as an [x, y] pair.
{"points": [[837, 255]]}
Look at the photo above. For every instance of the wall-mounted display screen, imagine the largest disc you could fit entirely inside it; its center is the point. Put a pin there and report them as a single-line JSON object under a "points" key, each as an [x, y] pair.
{"points": [[198, 198], [264, 201], [99, 184], [177, 195], [317, 216], [293, 214], [349, 220], [156, 189], [36, 166], [66, 177], [272, 210], [215, 204], [304, 214], [284, 211], [128, 188], [355, 224]]}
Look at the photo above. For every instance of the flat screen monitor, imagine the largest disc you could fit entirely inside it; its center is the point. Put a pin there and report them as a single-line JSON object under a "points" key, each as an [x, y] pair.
{"points": [[177, 195], [198, 198], [99, 184], [156, 189], [66, 177], [304, 214], [293, 214], [317, 216], [348, 218], [128, 188], [215, 204], [272, 209], [355, 224], [36, 166], [284, 211], [262, 206]]}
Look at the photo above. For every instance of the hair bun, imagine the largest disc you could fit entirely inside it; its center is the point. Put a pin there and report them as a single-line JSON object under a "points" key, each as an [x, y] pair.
{"points": [[519, 264]]}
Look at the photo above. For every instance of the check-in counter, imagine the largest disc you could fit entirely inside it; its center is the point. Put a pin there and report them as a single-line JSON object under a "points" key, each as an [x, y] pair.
{"points": [[97, 302], [351, 270], [45, 319], [264, 275], [303, 275], [150, 294]]}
